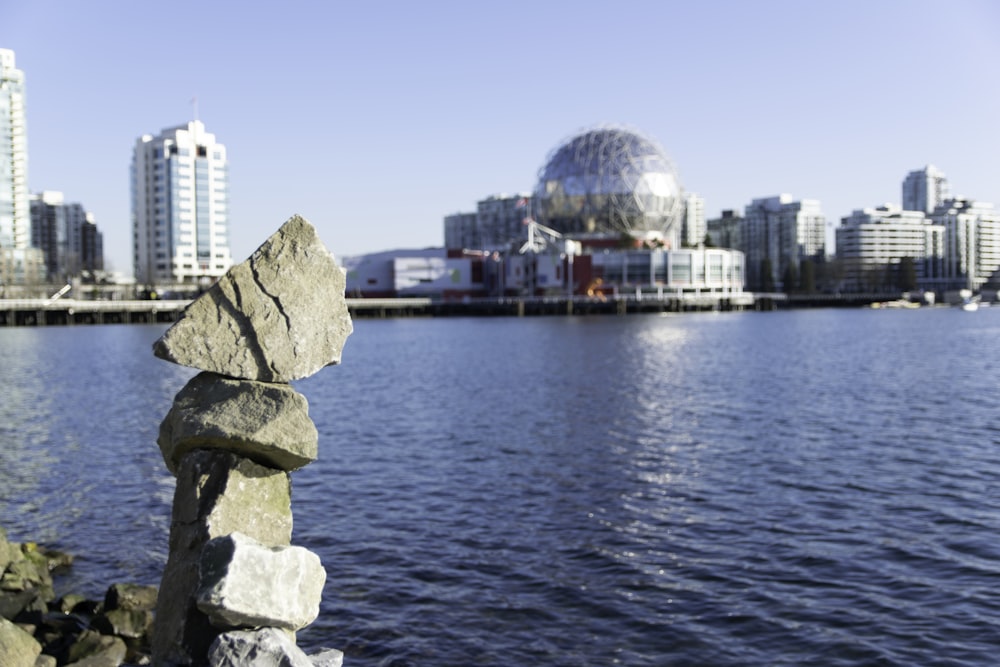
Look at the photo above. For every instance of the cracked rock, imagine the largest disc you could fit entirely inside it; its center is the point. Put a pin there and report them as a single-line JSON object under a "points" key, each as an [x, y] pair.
{"points": [[279, 316]]}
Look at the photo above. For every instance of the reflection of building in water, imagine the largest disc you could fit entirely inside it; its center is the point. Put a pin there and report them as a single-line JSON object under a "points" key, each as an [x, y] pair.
{"points": [[607, 215]]}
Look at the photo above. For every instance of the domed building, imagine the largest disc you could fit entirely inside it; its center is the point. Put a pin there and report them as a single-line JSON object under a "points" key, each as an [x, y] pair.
{"points": [[610, 181]]}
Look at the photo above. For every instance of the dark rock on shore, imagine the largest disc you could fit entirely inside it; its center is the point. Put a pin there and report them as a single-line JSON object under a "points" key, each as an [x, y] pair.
{"points": [[39, 630]]}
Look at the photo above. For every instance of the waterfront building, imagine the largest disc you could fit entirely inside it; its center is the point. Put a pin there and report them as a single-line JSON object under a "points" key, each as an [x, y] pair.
{"points": [[724, 231], [971, 242], [876, 245], [180, 207], [498, 221], [777, 234], [455, 276], [426, 272], [608, 215], [678, 271], [461, 230], [925, 189], [20, 264], [67, 235], [501, 219], [693, 227]]}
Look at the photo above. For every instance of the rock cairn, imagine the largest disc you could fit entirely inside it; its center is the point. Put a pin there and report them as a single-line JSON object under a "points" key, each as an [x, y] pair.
{"points": [[234, 590]]}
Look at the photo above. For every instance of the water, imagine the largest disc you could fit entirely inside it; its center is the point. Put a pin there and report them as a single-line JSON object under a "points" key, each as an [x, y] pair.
{"points": [[810, 487]]}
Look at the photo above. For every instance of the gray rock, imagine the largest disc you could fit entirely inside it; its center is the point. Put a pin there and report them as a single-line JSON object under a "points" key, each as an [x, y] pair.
{"points": [[263, 421], [17, 647], [125, 623], [217, 493], [28, 570], [329, 657], [130, 597], [102, 651], [266, 647], [71, 601], [13, 603], [279, 316], [6, 550], [46, 661], [245, 584]]}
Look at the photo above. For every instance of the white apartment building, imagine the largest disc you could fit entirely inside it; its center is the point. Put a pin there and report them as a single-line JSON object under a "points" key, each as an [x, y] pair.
{"points": [[782, 231], [15, 213], [872, 242], [20, 264], [925, 189], [971, 242], [693, 227], [180, 207], [497, 222]]}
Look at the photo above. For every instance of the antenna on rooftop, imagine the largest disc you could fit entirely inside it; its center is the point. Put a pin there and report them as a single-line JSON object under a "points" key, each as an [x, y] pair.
{"points": [[194, 106]]}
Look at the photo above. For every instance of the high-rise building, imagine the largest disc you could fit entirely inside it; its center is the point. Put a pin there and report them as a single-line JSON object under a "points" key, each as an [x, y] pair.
{"points": [[461, 231], [693, 226], [779, 233], [500, 218], [180, 207], [873, 244], [20, 264], [924, 189], [971, 242], [497, 222], [15, 215], [724, 231], [67, 235]]}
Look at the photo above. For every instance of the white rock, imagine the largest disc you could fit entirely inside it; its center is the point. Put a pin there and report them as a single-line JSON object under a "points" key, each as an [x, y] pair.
{"points": [[266, 647], [245, 584]]}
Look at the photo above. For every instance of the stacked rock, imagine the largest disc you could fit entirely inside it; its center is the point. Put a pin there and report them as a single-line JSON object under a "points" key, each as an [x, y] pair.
{"points": [[233, 586]]}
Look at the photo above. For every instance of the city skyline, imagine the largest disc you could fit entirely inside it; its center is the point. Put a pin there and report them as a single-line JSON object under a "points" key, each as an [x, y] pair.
{"points": [[375, 124]]}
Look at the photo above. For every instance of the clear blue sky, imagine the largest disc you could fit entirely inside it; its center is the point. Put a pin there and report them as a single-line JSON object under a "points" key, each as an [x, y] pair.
{"points": [[376, 119]]}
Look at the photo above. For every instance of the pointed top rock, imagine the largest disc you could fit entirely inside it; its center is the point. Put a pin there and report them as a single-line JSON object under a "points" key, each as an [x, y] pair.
{"points": [[279, 316]]}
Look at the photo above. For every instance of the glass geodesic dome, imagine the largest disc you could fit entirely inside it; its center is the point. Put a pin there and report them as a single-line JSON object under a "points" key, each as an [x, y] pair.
{"points": [[609, 180]]}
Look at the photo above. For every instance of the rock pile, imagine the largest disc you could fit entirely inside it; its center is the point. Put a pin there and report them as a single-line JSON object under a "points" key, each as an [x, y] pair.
{"points": [[234, 590], [38, 630]]}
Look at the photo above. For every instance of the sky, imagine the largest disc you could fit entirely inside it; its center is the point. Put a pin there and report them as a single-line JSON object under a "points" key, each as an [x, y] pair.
{"points": [[375, 120]]}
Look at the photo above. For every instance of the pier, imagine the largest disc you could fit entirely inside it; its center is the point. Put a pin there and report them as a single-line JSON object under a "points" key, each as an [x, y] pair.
{"points": [[64, 312]]}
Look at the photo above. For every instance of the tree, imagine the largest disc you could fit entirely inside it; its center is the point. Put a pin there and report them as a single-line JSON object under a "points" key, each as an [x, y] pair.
{"points": [[790, 278], [907, 274], [766, 275], [807, 276]]}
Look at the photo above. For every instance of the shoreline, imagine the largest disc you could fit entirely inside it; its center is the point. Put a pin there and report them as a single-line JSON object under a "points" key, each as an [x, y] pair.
{"points": [[40, 629]]}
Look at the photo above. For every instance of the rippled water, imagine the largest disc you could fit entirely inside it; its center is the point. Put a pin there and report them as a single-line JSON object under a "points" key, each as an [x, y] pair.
{"points": [[810, 487]]}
